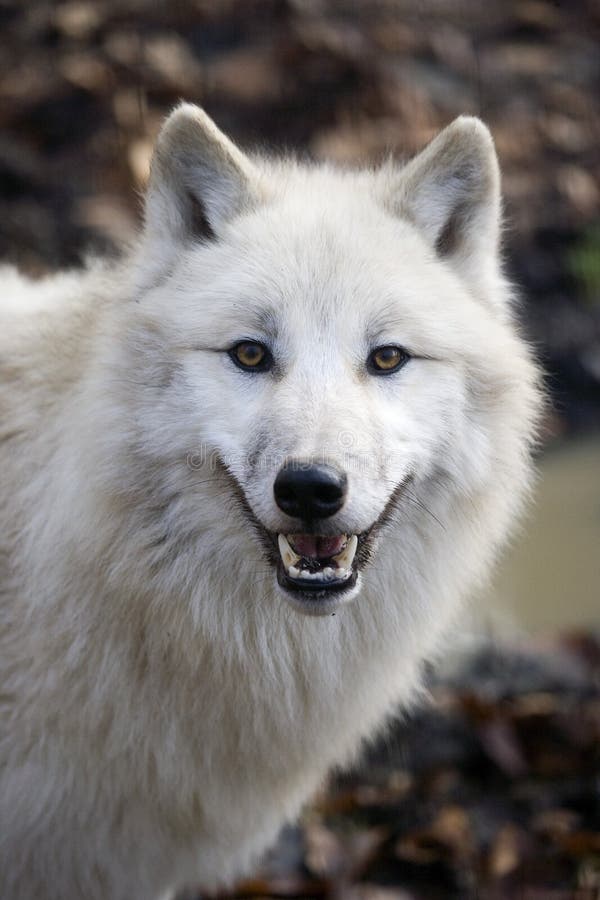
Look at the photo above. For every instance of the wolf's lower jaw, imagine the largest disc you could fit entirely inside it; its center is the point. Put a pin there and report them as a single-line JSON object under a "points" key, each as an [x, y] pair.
{"points": [[316, 598]]}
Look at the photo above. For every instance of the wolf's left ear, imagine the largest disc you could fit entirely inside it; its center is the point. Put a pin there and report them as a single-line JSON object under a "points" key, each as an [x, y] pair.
{"points": [[199, 180], [451, 192]]}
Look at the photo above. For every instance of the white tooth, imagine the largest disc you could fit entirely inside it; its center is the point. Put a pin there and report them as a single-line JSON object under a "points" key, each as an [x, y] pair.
{"points": [[327, 572], [293, 572], [304, 573], [343, 573], [287, 554], [345, 559]]}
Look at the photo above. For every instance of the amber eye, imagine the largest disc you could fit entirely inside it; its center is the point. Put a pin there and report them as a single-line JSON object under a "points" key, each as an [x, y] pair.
{"points": [[386, 360], [251, 355]]}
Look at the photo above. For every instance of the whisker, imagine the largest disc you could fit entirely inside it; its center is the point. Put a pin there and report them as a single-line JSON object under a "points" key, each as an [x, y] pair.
{"points": [[418, 502]]}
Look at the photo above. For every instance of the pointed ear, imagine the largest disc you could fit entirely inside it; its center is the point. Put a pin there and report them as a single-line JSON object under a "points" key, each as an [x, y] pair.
{"points": [[451, 192], [199, 180]]}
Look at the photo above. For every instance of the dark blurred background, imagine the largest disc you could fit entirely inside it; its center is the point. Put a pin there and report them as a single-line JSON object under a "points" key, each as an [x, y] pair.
{"points": [[493, 794]]}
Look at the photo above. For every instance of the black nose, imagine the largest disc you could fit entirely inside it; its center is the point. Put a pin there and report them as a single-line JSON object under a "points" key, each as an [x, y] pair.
{"points": [[310, 490]]}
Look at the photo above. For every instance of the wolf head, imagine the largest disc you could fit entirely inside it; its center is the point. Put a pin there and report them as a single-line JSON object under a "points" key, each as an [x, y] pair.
{"points": [[330, 356]]}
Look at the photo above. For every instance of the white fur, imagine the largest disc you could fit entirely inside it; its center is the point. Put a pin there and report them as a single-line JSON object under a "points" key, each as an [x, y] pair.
{"points": [[164, 709]]}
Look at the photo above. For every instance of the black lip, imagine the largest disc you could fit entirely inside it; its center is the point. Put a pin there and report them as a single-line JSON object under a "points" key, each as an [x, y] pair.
{"points": [[315, 589]]}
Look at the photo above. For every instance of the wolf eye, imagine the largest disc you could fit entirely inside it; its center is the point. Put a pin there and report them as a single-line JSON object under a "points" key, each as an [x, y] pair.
{"points": [[386, 360], [252, 356]]}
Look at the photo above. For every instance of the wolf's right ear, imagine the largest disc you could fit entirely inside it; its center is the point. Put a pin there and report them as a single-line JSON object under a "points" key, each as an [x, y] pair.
{"points": [[451, 193], [199, 180]]}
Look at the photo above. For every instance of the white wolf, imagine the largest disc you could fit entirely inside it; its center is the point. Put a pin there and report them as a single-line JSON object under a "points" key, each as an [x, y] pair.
{"points": [[303, 394]]}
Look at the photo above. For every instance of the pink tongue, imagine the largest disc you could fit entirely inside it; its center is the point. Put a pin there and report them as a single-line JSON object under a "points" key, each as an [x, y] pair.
{"points": [[315, 547]]}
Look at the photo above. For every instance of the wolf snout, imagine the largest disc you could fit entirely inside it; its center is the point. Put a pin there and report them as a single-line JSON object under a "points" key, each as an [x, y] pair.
{"points": [[310, 490]]}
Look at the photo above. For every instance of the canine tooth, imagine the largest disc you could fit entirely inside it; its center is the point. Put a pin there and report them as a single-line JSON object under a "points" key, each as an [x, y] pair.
{"points": [[293, 572], [345, 559], [287, 554]]}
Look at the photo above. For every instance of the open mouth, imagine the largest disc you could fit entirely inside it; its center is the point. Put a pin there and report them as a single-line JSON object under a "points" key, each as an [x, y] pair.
{"points": [[318, 572], [310, 562]]}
